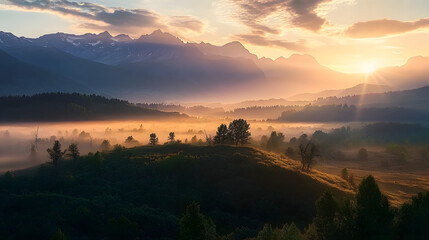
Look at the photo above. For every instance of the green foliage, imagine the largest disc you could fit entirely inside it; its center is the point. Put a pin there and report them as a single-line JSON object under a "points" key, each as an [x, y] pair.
{"points": [[373, 213], [326, 209], [195, 226], [59, 235], [412, 219]]}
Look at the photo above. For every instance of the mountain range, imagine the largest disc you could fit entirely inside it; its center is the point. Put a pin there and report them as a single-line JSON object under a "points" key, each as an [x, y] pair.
{"points": [[161, 67]]}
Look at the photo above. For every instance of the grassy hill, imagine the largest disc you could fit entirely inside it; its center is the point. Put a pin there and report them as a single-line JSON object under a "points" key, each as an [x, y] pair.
{"points": [[72, 107], [145, 190]]}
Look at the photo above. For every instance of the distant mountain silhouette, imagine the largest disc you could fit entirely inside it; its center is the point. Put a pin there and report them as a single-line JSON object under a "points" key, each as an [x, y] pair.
{"points": [[18, 77], [413, 74], [161, 67], [356, 90]]}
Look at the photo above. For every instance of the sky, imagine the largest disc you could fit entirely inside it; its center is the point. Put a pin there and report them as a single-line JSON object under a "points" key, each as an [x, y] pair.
{"points": [[351, 36]]}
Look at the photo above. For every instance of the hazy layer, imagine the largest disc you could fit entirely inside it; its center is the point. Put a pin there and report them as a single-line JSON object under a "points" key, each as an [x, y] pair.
{"points": [[16, 139]]}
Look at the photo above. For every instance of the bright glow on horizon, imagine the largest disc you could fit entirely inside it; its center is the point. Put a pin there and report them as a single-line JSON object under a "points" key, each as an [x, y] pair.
{"points": [[369, 67]]}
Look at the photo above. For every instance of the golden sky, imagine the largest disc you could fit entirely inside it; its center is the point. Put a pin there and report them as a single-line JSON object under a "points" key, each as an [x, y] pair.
{"points": [[345, 35]]}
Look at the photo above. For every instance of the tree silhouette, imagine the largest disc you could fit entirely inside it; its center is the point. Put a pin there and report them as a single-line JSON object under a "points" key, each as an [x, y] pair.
{"points": [[171, 137], [275, 141], [153, 139], [326, 208], [308, 152], [105, 145], [374, 217], [55, 153], [238, 131], [221, 135], [195, 226], [73, 151]]}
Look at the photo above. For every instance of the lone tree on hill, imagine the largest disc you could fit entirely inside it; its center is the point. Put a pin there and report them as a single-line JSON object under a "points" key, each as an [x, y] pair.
{"points": [[171, 137], [153, 139], [238, 131], [55, 153], [73, 151], [221, 135], [308, 152]]}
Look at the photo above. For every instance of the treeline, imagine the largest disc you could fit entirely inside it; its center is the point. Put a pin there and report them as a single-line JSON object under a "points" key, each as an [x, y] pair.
{"points": [[366, 215], [194, 110], [261, 112], [71, 107], [416, 99], [346, 113]]}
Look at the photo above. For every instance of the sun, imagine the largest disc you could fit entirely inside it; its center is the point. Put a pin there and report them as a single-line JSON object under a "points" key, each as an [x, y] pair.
{"points": [[369, 67]]}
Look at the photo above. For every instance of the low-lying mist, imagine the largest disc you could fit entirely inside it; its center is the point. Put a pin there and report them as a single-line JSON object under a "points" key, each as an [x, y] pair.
{"points": [[16, 139]]}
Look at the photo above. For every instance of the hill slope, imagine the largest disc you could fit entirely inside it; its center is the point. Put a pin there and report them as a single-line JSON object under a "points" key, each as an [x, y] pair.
{"points": [[72, 107], [151, 186]]}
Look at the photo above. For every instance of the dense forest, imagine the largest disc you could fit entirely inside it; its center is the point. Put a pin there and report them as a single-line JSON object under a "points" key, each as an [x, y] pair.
{"points": [[71, 107], [346, 113]]}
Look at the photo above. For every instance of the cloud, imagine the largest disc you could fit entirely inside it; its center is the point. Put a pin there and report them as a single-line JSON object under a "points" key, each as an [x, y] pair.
{"points": [[187, 22], [301, 13], [258, 40], [384, 27], [115, 17]]}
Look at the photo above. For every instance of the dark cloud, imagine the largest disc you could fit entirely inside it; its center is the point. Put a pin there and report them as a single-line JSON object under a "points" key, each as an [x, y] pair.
{"points": [[384, 27], [111, 16], [187, 22], [263, 41], [302, 13]]}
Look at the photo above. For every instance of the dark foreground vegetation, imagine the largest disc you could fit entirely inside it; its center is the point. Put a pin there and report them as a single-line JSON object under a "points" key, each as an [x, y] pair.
{"points": [[144, 191], [72, 107], [156, 192]]}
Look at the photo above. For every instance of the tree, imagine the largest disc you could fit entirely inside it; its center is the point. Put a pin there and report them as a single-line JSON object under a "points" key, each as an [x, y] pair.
{"points": [[130, 141], [194, 139], [308, 152], [73, 151], [221, 135], [153, 139], [275, 141], [363, 154], [374, 217], [55, 153], [171, 137], [326, 209], [238, 131], [195, 226], [105, 145]]}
